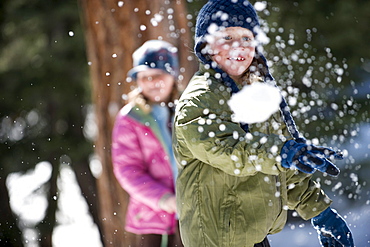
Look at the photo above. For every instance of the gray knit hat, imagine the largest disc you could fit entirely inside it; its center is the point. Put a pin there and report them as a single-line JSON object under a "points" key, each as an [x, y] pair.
{"points": [[155, 54]]}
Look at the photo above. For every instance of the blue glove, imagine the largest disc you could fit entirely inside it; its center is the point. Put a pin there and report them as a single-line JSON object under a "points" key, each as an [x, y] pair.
{"points": [[332, 229], [309, 158]]}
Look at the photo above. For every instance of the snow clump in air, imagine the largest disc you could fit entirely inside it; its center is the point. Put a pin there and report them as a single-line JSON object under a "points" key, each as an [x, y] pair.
{"points": [[255, 103]]}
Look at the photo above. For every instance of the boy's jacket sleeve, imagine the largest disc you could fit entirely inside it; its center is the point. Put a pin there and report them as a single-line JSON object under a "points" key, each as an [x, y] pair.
{"points": [[305, 196]]}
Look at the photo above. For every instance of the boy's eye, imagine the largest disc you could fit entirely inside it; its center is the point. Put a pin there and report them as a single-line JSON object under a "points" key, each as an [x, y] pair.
{"points": [[227, 38], [246, 39]]}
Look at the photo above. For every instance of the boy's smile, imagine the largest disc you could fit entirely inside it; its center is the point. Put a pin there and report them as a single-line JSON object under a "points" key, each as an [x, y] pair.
{"points": [[237, 58]]}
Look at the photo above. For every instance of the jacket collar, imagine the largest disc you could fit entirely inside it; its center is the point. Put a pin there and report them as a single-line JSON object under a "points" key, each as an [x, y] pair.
{"points": [[224, 78]]}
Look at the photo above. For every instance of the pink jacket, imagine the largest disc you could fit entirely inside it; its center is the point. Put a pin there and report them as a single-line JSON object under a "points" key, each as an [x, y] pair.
{"points": [[143, 169]]}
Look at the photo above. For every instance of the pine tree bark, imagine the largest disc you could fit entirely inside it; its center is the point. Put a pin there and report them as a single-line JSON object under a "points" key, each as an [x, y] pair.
{"points": [[113, 30]]}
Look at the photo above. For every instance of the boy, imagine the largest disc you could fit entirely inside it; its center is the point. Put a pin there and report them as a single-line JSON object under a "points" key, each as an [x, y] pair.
{"points": [[232, 188]]}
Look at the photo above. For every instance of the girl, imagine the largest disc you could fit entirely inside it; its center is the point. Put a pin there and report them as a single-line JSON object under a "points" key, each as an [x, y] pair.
{"points": [[235, 185], [142, 155]]}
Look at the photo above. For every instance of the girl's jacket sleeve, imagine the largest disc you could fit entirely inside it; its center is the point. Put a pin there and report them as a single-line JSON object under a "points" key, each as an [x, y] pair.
{"points": [[130, 168]]}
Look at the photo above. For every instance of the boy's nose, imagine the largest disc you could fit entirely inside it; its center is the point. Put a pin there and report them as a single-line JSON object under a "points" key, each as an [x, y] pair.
{"points": [[236, 44]]}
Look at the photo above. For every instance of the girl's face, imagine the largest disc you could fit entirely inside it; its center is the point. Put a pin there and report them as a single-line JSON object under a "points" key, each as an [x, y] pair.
{"points": [[233, 49], [156, 84]]}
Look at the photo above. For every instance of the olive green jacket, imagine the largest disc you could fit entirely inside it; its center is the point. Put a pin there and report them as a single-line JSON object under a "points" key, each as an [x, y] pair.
{"points": [[231, 188]]}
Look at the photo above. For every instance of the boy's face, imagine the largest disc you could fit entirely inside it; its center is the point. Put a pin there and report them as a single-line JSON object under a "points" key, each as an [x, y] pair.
{"points": [[233, 49], [156, 84]]}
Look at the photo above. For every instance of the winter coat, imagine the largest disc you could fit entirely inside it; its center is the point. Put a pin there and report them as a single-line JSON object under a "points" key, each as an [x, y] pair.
{"points": [[142, 166], [232, 190]]}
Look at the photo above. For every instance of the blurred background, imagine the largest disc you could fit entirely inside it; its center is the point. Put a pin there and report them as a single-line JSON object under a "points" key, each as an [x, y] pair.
{"points": [[63, 68]]}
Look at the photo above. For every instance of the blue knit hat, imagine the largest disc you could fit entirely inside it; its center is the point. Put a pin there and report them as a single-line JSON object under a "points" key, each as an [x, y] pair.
{"points": [[218, 14], [155, 54]]}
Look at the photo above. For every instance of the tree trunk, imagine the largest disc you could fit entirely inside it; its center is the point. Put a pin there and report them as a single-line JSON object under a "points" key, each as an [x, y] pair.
{"points": [[87, 183], [46, 226], [10, 234], [113, 30]]}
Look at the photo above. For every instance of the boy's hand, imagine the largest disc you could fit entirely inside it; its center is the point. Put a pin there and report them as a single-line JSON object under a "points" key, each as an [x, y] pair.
{"points": [[332, 229], [308, 158]]}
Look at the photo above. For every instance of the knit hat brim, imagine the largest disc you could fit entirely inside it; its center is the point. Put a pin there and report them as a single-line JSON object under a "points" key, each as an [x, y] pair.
{"points": [[140, 68], [155, 54]]}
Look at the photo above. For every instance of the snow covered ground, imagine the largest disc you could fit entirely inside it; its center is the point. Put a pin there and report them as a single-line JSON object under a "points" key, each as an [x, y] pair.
{"points": [[76, 227]]}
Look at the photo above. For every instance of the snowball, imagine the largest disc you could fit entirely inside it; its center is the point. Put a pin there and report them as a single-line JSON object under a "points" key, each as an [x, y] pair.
{"points": [[255, 103], [259, 6]]}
